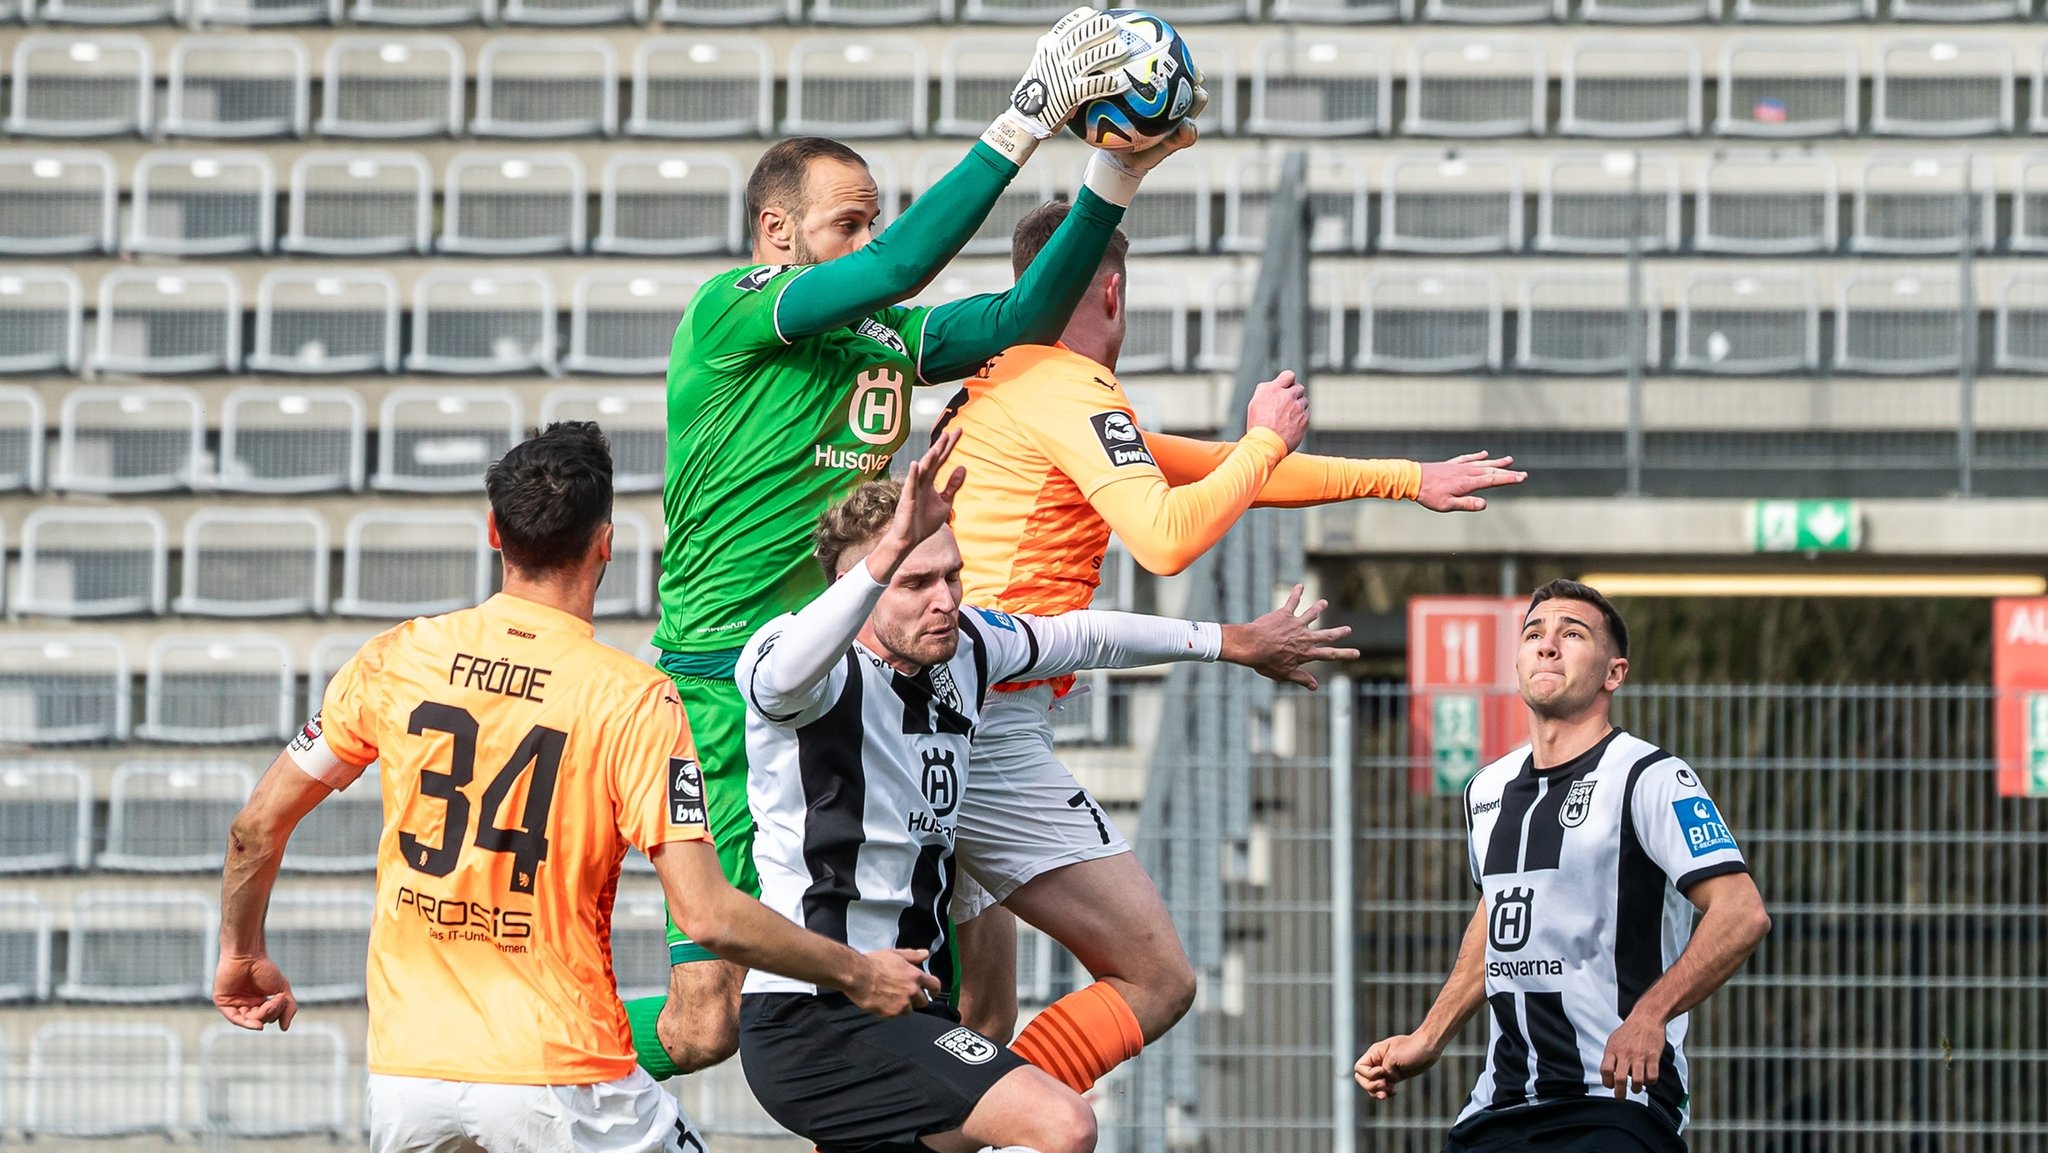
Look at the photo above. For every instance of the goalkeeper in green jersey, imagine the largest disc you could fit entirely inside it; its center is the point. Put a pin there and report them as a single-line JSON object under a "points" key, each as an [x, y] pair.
{"points": [[788, 386]]}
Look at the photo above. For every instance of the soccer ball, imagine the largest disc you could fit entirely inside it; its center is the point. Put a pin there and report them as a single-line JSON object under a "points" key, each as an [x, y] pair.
{"points": [[1162, 87]]}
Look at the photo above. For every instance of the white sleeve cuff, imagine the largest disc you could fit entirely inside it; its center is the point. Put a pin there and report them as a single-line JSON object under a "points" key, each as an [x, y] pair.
{"points": [[308, 750], [1011, 135], [1111, 179]]}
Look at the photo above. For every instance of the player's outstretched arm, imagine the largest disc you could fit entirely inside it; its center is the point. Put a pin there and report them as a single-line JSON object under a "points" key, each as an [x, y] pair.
{"points": [[1395, 1059], [1304, 479], [1280, 645], [248, 987], [1732, 923]]}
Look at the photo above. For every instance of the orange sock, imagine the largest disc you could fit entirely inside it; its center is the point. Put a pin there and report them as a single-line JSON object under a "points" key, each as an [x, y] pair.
{"points": [[1082, 1036]]}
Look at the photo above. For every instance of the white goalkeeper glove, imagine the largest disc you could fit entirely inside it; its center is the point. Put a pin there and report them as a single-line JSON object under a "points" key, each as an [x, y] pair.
{"points": [[1081, 59]]}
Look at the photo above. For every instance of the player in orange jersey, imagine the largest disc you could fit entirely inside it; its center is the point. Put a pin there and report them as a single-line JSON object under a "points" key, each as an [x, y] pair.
{"points": [[519, 758], [1055, 461]]}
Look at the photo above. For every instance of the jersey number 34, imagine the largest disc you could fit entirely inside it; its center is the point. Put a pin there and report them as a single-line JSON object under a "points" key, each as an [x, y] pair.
{"points": [[528, 840]]}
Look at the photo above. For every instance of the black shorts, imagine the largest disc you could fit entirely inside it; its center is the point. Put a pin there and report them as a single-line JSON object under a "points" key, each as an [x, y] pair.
{"points": [[851, 1082], [1591, 1125]]}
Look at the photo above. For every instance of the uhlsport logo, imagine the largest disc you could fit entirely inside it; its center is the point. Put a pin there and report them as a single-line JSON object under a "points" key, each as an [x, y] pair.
{"points": [[1508, 927], [1577, 804], [1120, 438], [875, 414], [968, 1045], [941, 781], [685, 792]]}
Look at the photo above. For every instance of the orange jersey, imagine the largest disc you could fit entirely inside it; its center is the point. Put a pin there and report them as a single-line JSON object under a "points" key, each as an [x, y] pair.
{"points": [[519, 758]]}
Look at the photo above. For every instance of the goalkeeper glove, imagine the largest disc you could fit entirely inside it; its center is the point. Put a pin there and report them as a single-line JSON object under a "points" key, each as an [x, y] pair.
{"points": [[1114, 176], [1081, 59]]}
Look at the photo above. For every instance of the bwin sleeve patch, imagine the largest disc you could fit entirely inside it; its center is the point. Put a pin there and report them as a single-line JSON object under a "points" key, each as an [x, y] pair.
{"points": [[1120, 439]]}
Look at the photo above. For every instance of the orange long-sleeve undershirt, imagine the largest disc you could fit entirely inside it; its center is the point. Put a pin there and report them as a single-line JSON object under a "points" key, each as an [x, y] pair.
{"points": [[1166, 526], [1300, 481]]}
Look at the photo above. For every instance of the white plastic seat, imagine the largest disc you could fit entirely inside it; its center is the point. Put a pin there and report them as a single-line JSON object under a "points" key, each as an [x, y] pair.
{"points": [[291, 440], [1579, 321], [1337, 11], [1031, 189], [872, 12], [265, 562], [2030, 204], [1585, 202], [340, 835], [94, 1080], [513, 204], [1945, 87], [1738, 322], [1438, 321], [42, 323], [45, 820], [1223, 322], [635, 421], [627, 589], [320, 938], [843, 87], [1961, 11], [274, 1084], [62, 689], [2021, 341], [1913, 203], [1321, 85], [1630, 86], [625, 322], [1338, 203], [420, 12], [390, 86], [976, 76], [265, 13], [203, 204], [1011, 11], [1475, 86], [166, 320], [238, 86], [1470, 202], [442, 439], [132, 948], [1482, 11], [1155, 326], [317, 321], [72, 86], [1766, 203], [104, 11], [1894, 324], [2038, 121], [572, 13], [698, 87], [1643, 11], [57, 201], [24, 942], [721, 11], [21, 438], [640, 940], [404, 564], [172, 816], [541, 86], [357, 203], [1787, 86], [208, 688], [471, 322], [1798, 11], [85, 562], [129, 439], [667, 204]]}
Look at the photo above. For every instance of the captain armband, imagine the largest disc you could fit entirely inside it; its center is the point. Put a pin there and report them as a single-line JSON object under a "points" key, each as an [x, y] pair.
{"points": [[308, 750]]}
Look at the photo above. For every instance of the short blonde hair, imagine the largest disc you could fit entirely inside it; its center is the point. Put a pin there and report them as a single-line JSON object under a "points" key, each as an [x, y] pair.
{"points": [[855, 521]]}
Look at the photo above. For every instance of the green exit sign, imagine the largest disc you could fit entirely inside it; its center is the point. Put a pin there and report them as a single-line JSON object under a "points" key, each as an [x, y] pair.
{"points": [[1805, 526]]}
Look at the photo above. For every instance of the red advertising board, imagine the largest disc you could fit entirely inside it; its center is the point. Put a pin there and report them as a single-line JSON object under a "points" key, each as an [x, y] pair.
{"points": [[2019, 671], [1463, 708]]}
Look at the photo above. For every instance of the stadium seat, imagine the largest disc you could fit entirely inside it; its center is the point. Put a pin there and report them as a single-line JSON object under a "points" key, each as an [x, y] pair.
{"points": [[1173, 215], [1584, 203], [46, 815], [441, 440], [238, 86], [546, 86], [1337, 11], [419, 12], [507, 204], [321, 937], [321, 321], [856, 87], [129, 947], [274, 1084], [1451, 203], [624, 322], [1645, 11], [1203, 11], [1579, 322], [475, 321], [1338, 203], [670, 204], [1913, 203], [403, 564], [390, 86], [1032, 187], [2021, 341], [172, 816], [130, 438], [62, 689], [1897, 324], [627, 589], [97, 1080], [1766, 203], [264, 13], [1440, 321], [567, 13], [208, 688], [640, 940], [635, 421], [1321, 85], [1745, 322], [1945, 87], [87, 562], [1480, 11], [57, 201], [1012, 12], [102, 11], [24, 941], [22, 429], [291, 440], [260, 562], [1475, 86], [340, 835], [42, 322], [1787, 86], [161, 320], [358, 203], [1798, 11], [1959, 11], [976, 74], [2030, 204], [203, 204], [74, 86], [699, 87], [1630, 86], [1223, 322], [873, 12], [721, 11], [1156, 325]]}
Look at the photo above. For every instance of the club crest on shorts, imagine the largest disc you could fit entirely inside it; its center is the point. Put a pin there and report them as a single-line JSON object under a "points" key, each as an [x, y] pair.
{"points": [[685, 792], [1577, 804], [971, 1047]]}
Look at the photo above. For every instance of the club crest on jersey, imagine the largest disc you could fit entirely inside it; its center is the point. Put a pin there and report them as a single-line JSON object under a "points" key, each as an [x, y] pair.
{"points": [[881, 334], [941, 781], [1577, 804], [1120, 439], [1508, 926], [754, 281], [944, 690], [1705, 831], [968, 1045], [685, 792], [875, 412]]}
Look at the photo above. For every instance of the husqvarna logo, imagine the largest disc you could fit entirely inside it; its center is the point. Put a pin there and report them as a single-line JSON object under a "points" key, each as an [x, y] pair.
{"points": [[875, 414], [1508, 926]]}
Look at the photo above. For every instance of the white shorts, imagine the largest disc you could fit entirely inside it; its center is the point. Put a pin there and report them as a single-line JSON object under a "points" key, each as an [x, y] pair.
{"points": [[1023, 813], [629, 1115]]}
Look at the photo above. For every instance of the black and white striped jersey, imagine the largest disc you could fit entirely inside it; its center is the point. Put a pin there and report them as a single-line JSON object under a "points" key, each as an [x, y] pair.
{"points": [[1583, 870]]}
